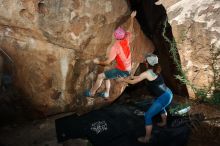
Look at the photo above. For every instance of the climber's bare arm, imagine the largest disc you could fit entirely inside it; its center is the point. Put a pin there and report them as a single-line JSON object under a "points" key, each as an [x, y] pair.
{"points": [[104, 63]]}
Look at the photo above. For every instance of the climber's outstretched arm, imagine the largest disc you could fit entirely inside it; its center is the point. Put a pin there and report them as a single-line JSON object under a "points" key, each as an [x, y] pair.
{"points": [[104, 63]]}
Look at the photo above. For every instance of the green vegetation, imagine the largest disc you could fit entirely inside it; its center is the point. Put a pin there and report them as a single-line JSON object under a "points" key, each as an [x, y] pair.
{"points": [[203, 96], [210, 94]]}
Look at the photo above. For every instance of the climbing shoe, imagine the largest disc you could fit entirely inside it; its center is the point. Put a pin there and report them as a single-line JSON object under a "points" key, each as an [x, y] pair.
{"points": [[103, 95], [87, 93]]}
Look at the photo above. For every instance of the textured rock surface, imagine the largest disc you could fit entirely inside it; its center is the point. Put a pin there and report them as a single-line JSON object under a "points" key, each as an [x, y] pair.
{"points": [[1, 68], [52, 44], [196, 28]]}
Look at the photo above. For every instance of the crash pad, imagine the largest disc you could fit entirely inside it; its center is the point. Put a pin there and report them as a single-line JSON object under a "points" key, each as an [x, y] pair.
{"points": [[121, 125]]}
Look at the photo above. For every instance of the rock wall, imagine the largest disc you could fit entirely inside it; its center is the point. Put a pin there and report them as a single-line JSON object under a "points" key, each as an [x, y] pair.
{"points": [[1, 68], [196, 28], [52, 44], [151, 18]]}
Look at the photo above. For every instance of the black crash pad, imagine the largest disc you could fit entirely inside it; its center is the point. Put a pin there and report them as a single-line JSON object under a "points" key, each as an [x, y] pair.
{"points": [[120, 125]]}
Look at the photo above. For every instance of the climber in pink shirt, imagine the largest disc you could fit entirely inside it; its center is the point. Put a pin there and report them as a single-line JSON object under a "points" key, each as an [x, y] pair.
{"points": [[121, 53]]}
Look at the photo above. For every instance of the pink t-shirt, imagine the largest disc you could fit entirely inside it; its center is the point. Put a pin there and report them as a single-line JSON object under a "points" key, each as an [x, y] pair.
{"points": [[121, 52]]}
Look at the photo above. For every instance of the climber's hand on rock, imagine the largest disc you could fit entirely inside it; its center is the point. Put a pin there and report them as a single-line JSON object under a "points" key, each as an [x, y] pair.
{"points": [[133, 14], [96, 61]]}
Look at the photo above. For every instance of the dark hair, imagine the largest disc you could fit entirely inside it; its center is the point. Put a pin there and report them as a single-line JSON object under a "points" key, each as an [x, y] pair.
{"points": [[156, 68]]}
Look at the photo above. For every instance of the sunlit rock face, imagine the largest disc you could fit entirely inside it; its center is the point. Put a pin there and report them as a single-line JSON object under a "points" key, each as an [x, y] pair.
{"points": [[52, 44], [196, 28]]}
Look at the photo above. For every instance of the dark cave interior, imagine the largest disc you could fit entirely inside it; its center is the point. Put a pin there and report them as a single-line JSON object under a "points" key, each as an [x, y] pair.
{"points": [[151, 18]]}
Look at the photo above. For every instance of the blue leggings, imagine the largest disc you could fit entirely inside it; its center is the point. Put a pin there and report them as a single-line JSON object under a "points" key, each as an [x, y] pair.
{"points": [[158, 106]]}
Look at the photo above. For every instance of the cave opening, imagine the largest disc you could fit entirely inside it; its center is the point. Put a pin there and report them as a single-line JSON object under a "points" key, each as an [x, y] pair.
{"points": [[152, 18]]}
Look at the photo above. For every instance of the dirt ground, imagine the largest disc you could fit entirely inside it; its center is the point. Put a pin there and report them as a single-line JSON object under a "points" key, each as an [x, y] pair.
{"points": [[206, 133], [42, 132]]}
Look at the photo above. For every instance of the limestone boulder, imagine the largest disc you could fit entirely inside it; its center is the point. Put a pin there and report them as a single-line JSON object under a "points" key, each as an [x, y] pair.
{"points": [[196, 28], [52, 45]]}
